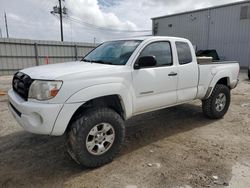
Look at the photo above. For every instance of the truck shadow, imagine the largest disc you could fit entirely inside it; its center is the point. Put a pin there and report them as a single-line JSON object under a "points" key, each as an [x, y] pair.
{"points": [[28, 159], [151, 127]]}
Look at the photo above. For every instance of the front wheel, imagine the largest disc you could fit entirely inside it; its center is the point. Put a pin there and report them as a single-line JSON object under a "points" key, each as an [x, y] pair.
{"points": [[96, 137], [217, 104]]}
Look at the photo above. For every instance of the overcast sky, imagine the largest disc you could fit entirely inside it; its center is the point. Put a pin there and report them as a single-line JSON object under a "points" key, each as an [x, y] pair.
{"points": [[31, 19]]}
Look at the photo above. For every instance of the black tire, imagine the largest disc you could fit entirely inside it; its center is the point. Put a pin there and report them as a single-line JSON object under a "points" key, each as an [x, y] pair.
{"points": [[81, 127], [249, 73], [209, 105]]}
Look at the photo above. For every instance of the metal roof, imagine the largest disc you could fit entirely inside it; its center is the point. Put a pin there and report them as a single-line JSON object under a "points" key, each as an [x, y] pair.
{"points": [[203, 9]]}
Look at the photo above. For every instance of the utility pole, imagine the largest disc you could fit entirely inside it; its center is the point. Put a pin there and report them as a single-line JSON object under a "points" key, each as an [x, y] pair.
{"points": [[6, 25], [61, 23], [59, 10], [1, 33]]}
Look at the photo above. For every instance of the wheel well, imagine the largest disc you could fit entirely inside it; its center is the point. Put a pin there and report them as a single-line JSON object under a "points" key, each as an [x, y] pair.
{"points": [[111, 101], [224, 81]]}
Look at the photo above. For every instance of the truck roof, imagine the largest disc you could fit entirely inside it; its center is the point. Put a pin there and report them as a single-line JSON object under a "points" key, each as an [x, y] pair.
{"points": [[150, 38]]}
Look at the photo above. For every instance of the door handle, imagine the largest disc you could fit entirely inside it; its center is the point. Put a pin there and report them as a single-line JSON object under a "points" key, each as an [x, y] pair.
{"points": [[172, 74]]}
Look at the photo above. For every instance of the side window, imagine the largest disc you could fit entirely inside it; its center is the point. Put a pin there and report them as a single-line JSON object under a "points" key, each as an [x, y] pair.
{"points": [[161, 51], [184, 53]]}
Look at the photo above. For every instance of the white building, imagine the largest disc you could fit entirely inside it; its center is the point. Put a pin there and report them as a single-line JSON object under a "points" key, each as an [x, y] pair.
{"points": [[224, 28]]}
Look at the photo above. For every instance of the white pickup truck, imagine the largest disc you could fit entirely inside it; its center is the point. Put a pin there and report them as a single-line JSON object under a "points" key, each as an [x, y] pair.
{"points": [[89, 100]]}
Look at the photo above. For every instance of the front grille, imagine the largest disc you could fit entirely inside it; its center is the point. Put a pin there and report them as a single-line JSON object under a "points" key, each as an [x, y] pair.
{"points": [[21, 84]]}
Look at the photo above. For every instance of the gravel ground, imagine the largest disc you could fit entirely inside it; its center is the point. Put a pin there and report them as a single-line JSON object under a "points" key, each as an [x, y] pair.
{"points": [[175, 147]]}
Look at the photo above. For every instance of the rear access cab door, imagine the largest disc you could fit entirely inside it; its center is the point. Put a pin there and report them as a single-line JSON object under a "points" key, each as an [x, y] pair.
{"points": [[155, 87], [188, 71]]}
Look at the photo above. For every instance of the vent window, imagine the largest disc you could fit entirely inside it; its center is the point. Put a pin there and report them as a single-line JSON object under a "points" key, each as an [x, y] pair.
{"points": [[245, 12]]}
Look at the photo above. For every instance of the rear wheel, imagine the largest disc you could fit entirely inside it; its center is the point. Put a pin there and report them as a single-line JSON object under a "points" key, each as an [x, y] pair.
{"points": [[96, 137], [216, 106]]}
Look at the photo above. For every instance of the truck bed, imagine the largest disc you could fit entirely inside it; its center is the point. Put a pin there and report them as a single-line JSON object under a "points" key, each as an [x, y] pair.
{"points": [[207, 72]]}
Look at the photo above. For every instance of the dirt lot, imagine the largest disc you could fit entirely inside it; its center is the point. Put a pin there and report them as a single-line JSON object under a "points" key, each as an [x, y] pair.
{"points": [[175, 147]]}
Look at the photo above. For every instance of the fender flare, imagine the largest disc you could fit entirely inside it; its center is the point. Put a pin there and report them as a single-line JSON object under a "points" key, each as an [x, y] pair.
{"points": [[217, 76], [101, 90]]}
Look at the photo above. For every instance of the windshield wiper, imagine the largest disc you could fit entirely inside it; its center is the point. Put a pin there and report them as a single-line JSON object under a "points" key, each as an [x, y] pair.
{"points": [[86, 60], [97, 61], [102, 62]]}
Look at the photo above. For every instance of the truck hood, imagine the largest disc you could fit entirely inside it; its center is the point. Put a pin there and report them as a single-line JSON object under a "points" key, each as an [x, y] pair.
{"points": [[54, 71]]}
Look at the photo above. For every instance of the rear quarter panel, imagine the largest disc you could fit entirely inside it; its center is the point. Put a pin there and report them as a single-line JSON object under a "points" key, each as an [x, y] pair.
{"points": [[210, 74]]}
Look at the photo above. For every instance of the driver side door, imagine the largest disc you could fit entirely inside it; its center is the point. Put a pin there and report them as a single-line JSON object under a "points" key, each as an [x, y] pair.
{"points": [[155, 87]]}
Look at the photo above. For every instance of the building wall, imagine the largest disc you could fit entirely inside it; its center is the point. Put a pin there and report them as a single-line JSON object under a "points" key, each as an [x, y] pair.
{"points": [[16, 54], [216, 28]]}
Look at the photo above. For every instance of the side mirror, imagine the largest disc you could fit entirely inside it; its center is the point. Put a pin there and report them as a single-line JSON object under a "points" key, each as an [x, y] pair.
{"points": [[145, 61]]}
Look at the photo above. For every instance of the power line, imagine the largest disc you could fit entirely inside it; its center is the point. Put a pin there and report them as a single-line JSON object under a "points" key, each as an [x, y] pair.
{"points": [[79, 21], [71, 22], [105, 33], [60, 13], [86, 27], [105, 28]]}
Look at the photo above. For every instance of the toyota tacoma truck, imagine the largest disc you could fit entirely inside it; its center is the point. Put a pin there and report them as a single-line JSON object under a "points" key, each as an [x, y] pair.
{"points": [[89, 100]]}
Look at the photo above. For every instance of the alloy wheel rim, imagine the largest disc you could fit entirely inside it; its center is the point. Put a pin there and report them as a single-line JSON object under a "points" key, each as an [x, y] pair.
{"points": [[220, 102], [100, 138]]}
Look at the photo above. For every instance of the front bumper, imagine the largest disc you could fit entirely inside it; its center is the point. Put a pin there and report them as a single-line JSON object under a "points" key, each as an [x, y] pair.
{"points": [[34, 117]]}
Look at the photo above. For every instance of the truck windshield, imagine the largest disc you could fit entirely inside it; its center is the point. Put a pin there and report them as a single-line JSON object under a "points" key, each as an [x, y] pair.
{"points": [[114, 52]]}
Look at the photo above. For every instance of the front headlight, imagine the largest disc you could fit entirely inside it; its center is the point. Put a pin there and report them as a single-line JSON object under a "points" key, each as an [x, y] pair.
{"points": [[44, 90]]}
